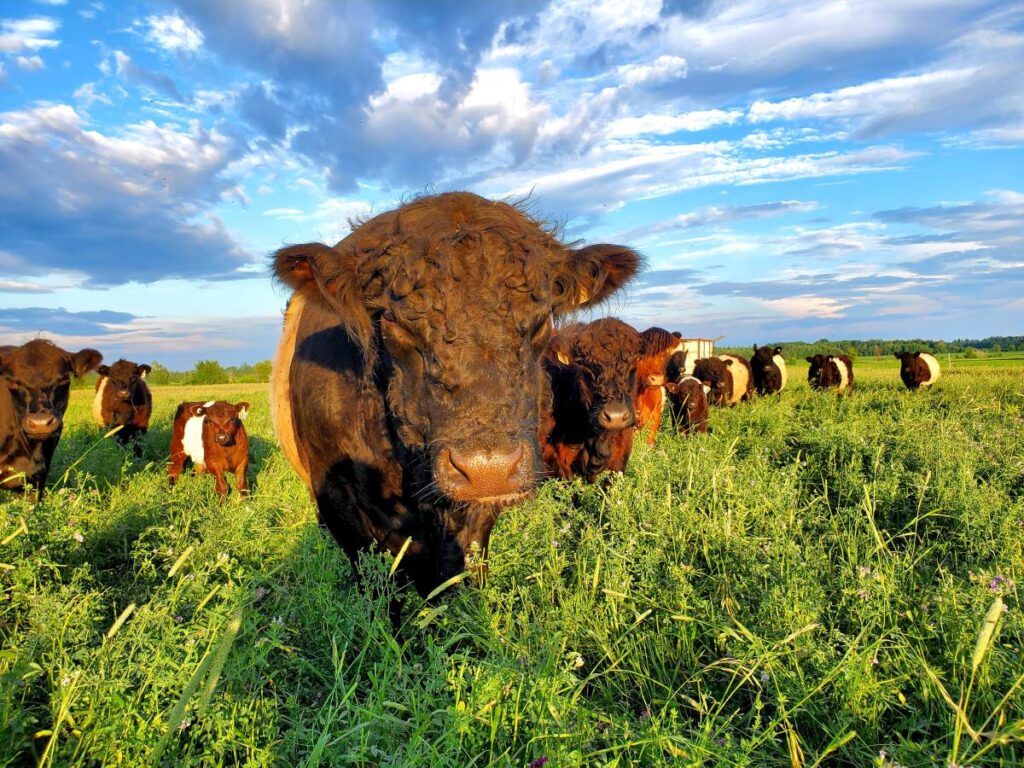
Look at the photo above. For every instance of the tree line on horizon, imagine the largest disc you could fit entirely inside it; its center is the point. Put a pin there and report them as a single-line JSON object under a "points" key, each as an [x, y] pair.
{"points": [[213, 372]]}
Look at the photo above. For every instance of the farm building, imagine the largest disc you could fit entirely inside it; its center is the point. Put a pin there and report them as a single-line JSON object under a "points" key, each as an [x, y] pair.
{"points": [[695, 350]]}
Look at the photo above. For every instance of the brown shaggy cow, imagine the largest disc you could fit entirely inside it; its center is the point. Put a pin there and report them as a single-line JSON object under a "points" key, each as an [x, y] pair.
{"points": [[918, 369], [742, 378], [658, 347], [830, 372], [717, 374], [211, 435], [407, 387], [35, 382], [590, 426], [123, 400], [769, 369], [687, 396]]}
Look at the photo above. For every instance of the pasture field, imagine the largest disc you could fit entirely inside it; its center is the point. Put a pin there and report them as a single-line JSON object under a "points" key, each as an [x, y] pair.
{"points": [[819, 581]]}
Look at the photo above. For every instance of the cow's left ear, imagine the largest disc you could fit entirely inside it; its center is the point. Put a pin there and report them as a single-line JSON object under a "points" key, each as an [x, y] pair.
{"points": [[595, 272], [142, 370], [243, 409], [706, 388], [917, 355], [778, 351], [84, 361]]}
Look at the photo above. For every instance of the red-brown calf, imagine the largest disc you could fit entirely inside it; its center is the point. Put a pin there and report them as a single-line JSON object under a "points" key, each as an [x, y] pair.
{"points": [[212, 436]]}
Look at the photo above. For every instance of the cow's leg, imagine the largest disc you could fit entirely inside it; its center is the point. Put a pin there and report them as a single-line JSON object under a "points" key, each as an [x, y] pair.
{"points": [[242, 477], [221, 485]]}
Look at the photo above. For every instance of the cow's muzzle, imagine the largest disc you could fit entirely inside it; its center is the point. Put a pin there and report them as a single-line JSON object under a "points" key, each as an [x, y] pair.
{"points": [[40, 425], [616, 415], [501, 475]]}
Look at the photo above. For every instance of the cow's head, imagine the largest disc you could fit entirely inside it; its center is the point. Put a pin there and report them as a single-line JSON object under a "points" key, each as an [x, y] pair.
{"points": [[690, 392], [38, 377], [764, 357], [122, 379], [655, 353], [601, 358], [451, 300], [906, 359], [223, 420]]}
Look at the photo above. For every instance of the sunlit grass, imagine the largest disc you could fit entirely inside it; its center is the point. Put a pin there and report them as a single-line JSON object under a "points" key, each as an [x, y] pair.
{"points": [[819, 581]]}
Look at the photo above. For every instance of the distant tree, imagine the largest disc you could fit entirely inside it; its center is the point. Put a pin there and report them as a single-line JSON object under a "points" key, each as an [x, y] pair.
{"points": [[261, 371], [997, 348], [160, 375], [208, 372], [852, 352], [970, 353], [876, 350]]}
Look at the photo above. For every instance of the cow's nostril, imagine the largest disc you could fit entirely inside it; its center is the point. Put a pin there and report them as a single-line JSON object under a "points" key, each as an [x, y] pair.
{"points": [[473, 474], [616, 415], [41, 423]]}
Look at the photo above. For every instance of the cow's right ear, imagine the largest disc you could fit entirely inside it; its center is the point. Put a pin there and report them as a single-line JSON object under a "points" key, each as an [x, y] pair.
{"points": [[809, 359], [672, 387], [727, 362], [85, 361], [103, 370], [595, 272], [328, 276], [706, 386], [197, 410], [778, 351], [143, 370]]}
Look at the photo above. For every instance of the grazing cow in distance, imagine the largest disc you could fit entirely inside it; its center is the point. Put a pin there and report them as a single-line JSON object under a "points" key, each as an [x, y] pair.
{"points": [[212, 436], [407, 388], [717, 374], [742, 378], [918, 369], [592, 370], [769, 369], [830, 372], [687, 396], [123, 400], [35, 383], [658, 347]]}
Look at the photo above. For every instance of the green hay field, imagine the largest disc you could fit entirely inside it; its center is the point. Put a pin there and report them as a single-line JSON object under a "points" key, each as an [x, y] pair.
{"points": [[817, 582]]}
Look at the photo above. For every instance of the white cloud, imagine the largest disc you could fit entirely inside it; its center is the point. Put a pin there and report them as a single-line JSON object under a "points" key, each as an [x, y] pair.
{"points": [[661, 124], [86, 95], [662, 69], [31, 34], [173, 33], [806, 306], [30, 63]]}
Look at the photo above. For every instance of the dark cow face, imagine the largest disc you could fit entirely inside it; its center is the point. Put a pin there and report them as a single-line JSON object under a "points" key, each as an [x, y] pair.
{"points": [[451, 300], [602, 357], [223, 420], [906, 358], [123, 378], [817, 363], [38, 376], [763, 357]]}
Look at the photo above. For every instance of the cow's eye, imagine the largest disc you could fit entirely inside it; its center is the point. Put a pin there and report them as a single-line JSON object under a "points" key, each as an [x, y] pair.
{"points": [[388, 316]]}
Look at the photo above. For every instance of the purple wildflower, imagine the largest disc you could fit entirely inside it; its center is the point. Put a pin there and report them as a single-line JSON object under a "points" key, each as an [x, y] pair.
{"points": [[540, 762]]}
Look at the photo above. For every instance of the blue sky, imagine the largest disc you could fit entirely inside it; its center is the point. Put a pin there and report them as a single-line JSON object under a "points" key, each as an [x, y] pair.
{"points": [[791, 170]]}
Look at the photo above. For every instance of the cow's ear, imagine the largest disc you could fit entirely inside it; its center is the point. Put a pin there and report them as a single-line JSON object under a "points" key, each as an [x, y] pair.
{"points": [[328, 276], [778, 351], [677, 334], [243, 410], [755, 349], [84, 361], [197, 410], [917, 355], [143, 370], [103, 370], [727, 361], [672, 387], [595, 272], [706, 387], [809, 359]]}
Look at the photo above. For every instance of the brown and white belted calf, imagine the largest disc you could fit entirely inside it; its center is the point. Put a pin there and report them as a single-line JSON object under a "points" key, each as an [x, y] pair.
{"points": [[211, 435]]}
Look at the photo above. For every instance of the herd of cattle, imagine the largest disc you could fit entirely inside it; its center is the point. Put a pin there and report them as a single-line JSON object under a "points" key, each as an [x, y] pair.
{"points": [[420, 385]]}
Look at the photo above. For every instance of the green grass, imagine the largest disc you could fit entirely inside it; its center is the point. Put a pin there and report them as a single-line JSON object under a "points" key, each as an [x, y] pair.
{"points": [[807, 585]]}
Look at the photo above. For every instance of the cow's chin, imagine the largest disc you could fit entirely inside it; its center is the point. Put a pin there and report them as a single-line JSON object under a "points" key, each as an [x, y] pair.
{"points": [[503, 500]]}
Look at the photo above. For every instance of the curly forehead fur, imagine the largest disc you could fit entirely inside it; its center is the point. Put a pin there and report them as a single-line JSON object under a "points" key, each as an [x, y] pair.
{"points": [[607, 344]]}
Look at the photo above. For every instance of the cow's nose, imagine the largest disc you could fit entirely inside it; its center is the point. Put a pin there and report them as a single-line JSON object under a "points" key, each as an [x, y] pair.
{"points": [[221, 437], [474, 475], [123, 394], [41, 423], [616, 415], [656, 380]]}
